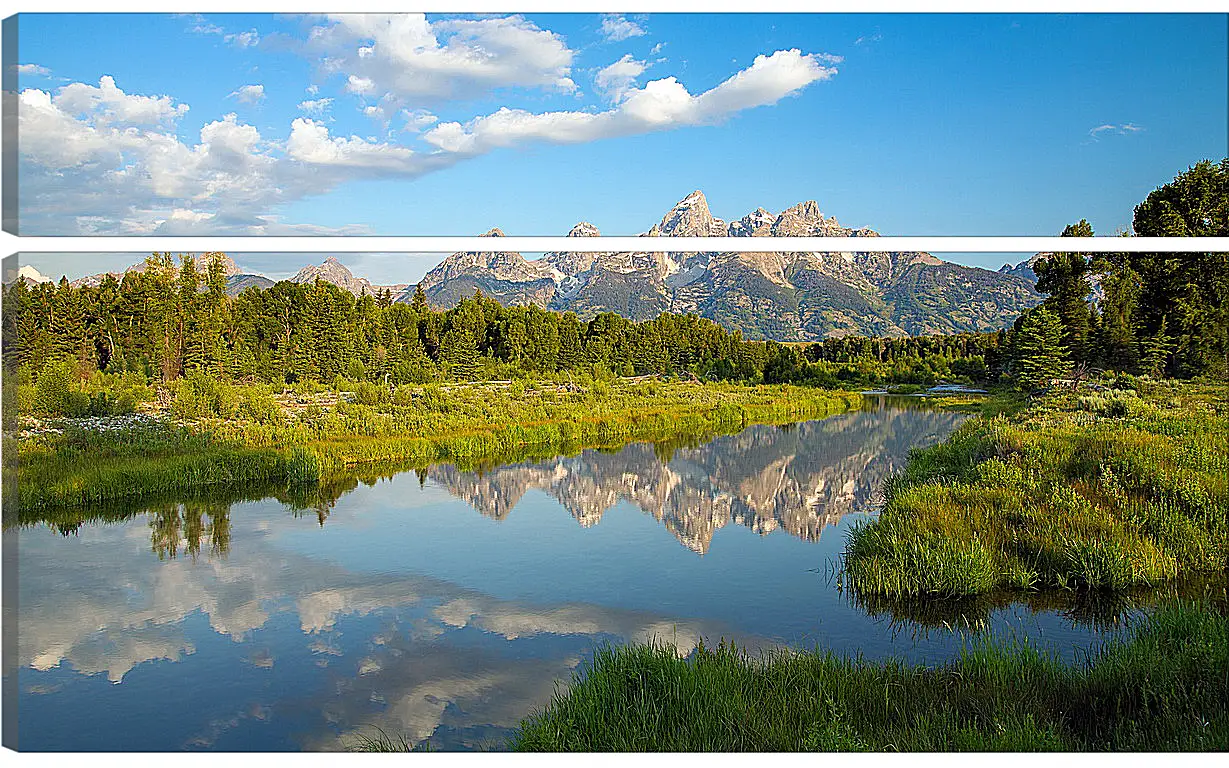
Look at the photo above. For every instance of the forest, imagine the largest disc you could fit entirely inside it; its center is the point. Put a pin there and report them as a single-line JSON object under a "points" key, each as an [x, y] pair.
{"points": [[119, 342]]}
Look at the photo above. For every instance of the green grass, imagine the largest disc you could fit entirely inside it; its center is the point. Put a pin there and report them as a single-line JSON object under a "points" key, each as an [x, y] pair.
{"points": [[1164, 687], [461, 424], [1111, 491]]}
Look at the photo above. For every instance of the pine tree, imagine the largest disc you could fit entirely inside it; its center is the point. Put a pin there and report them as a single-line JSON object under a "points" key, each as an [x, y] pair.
{"points": [[1040, 354], [571, 353], [419, 302], [1117, 346], [1065, 277], [1157, 351], [459, 352]]}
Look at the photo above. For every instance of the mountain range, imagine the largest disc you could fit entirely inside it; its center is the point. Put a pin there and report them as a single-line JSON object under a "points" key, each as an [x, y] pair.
{"points": [[767, 295], [764, 294]]}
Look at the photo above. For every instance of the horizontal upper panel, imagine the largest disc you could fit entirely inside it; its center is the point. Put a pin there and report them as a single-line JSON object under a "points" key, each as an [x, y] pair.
{"points": [[545, 124]]}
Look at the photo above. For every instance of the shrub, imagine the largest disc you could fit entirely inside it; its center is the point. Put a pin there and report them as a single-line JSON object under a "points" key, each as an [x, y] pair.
{"points": [[366, 393], [200, 396], [260, 407], [56, 392]]}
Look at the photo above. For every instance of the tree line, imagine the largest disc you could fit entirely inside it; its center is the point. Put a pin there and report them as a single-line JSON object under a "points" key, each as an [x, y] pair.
{"points": [[1158, 314], [167, 320]]}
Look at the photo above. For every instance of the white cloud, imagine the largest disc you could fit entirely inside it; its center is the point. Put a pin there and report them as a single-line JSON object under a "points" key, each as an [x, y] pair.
{"points": [[660, 105], [33, 70], [247, 39], [417, 119], [96, 160], [1118, 130], [248, 94], [93, 162], [111, 106], [360, 85], [310, 143], [874, 37], [413, 58], [616, 27], [616, 79], [202, 26], [315, 106]]}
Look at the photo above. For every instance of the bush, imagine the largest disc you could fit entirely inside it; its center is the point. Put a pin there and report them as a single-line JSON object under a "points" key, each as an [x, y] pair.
{"points": [[25, 399], [56, 392], [366, 393], [260, 407], [199, 396]]}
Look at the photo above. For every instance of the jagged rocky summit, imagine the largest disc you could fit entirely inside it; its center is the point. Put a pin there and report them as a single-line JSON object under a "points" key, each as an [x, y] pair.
{"points": [[766, 295]]}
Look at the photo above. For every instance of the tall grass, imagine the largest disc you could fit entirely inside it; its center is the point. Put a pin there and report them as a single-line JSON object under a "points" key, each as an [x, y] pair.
{"points": [[466, 425], [1164, 687], [1110, 491]]}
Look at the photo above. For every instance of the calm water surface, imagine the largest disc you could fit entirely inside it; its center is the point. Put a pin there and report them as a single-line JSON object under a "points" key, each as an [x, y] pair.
{"points": [[444, 604]]}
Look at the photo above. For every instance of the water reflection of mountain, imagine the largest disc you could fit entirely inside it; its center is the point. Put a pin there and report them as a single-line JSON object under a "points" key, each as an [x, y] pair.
{"points": [[799, 477]]}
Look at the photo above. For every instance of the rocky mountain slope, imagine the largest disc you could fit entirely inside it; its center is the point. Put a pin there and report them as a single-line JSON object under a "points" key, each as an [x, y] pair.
{"points": [[767, 295]]}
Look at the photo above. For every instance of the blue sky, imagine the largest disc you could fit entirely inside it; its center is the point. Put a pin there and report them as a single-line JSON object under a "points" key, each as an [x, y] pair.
{"points": [[908, 124]]}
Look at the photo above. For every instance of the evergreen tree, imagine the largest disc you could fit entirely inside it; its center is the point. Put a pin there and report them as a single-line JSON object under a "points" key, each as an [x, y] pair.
{"points": [[1040, 354], [459, 353], [419, 302], [1065, 277], [1157, 351], [1190, 293], [1116, 342]]}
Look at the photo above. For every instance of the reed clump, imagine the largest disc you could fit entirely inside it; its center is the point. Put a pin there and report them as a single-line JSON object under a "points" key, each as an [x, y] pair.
{"points": [[1164, 686], [1110, 491]]}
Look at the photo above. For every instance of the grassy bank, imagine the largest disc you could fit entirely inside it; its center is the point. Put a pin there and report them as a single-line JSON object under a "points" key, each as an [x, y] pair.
{"points": [[1096, 489], [265, 443], [1165, 687]]}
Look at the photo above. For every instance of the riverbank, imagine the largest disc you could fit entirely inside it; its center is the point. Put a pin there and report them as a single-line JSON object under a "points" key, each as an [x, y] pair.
{"points": [[67, 463], [1110, 489], [1165, 687]]}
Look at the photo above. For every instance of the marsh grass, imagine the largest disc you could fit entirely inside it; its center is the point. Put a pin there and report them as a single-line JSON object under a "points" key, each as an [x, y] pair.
{"points": [[1165, 686], [378, 740], [1107, 492], [460, 424]]}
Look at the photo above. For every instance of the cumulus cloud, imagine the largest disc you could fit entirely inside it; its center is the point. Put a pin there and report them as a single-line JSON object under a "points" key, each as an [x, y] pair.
{"points": [[310, 143], [108, 105], [360, 85], [1125, 129], [315, 106], [33, 70], [616, 27], [412, 58], [659, 105], [97, 160], [248, 94], [615, 80]]}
